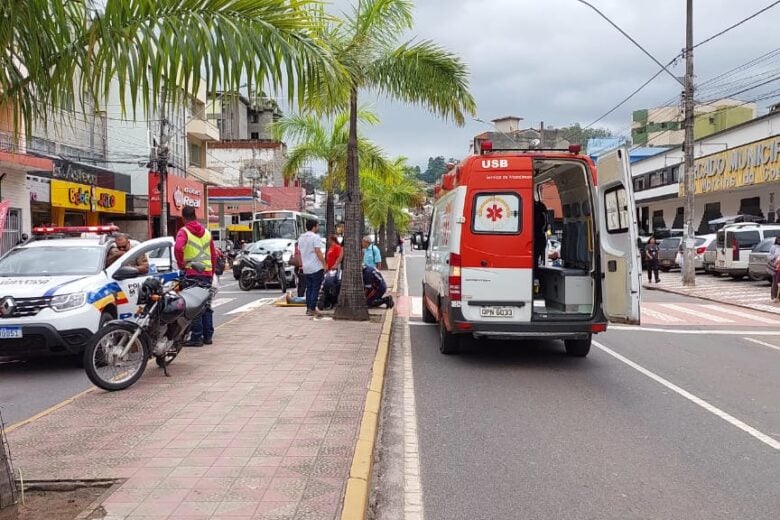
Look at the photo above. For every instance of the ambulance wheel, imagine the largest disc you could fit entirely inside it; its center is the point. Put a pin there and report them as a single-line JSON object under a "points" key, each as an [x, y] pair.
{"points": [[448, 343], [427, 316], [577, 347]]}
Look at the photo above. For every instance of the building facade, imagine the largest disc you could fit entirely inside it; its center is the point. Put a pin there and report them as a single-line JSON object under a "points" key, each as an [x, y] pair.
{"points": [[737, 172], [663, 126]]}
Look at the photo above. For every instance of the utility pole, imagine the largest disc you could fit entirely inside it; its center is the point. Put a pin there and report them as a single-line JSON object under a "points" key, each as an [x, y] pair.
{"points": [[689, 269], [162, 168]]}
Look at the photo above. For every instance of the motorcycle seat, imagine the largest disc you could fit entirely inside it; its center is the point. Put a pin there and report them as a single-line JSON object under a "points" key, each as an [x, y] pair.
{"points": [[195, 301]]}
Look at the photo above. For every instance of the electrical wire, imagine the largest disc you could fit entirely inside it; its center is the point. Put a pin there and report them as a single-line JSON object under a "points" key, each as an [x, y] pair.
{"points": [[734, 26]]}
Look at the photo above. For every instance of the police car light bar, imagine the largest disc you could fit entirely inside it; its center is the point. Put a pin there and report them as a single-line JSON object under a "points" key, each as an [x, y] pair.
{"points": [[43, 230]]}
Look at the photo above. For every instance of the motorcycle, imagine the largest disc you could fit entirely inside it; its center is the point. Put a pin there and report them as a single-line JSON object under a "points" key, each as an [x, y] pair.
{"points": [[116, 356], [262, 272]]}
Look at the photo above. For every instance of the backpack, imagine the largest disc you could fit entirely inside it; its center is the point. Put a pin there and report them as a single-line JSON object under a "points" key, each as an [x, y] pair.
{"points": [[219, 269]]}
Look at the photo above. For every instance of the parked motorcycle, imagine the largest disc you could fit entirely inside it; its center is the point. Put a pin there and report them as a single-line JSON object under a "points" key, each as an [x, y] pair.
{"points": [[116, 356], [262, 272]]}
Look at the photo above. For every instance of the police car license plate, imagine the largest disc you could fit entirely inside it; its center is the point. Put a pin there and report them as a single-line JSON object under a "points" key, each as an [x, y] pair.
{"points": [[10, 332], [496, 312]]}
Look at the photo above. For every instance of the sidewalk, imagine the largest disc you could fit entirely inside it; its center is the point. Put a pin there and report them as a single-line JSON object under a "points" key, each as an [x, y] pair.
{"points": [[261, 425], [742, 293]]}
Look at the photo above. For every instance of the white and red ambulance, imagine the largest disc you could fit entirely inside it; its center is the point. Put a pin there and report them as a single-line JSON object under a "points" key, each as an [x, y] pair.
{"points": [[487, 274]]}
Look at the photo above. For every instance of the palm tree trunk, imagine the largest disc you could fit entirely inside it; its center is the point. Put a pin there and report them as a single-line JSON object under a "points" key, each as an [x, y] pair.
{"points": [[330, 214], [352, 299], [381, 241], [392, 239]]}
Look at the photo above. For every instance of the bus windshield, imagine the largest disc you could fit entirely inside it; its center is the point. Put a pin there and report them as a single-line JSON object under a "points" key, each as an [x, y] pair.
{"points": [[275, 228]]}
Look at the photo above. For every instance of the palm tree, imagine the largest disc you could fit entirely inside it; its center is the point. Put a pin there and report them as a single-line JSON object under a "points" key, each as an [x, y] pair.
{"points": [[366, 45], [316, 142], [386, 196], [55, 53]]}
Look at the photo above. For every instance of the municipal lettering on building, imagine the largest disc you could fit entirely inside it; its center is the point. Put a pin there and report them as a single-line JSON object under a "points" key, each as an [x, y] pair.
{"points": [[754, 163]]}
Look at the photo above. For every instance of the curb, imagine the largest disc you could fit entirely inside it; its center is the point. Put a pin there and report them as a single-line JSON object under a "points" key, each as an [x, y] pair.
{"points": [[708, 299], [356, 495]]}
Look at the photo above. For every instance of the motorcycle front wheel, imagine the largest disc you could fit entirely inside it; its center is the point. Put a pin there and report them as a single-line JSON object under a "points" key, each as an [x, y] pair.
{"points": [[247, 281], [282, 279], [106, 365]]}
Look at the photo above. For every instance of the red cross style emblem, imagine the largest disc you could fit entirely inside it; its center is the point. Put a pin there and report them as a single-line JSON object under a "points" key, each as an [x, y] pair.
{"points": [[494, 213]]}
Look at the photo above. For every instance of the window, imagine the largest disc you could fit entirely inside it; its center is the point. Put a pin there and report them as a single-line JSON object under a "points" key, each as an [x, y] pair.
{"points": [[679, 218], [764, 246], [255, 135], [772, 233], [675, 174], [194, 154], [255, 118], [496, 213], [745, 239], [639, 184], [616, 205]]}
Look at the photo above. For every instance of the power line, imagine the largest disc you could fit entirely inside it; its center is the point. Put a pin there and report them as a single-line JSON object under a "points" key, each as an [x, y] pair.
{"points": [[727, 29]]}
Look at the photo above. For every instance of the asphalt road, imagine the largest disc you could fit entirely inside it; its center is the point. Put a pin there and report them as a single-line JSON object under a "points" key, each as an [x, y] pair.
{"points": [[519, 430], [28, 387]]}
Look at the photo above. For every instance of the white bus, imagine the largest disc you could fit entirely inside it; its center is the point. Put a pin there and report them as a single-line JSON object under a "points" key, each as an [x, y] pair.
{"points": [[282, 224]]}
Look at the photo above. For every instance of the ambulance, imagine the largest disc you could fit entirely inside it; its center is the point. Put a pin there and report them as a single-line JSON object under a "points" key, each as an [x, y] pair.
{"points": [[487, 271]]}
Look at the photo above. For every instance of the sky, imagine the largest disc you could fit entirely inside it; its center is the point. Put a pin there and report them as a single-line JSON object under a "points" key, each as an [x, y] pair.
{"points": [[559, 62]]}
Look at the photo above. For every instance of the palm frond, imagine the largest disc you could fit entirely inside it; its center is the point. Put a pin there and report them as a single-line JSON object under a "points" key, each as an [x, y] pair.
{"points": [[423, 73], [380, 21]]}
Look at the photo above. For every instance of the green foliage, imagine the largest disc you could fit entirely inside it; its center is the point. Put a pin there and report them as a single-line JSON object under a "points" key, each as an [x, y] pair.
{"points": [[437, 166], [575, 134]]}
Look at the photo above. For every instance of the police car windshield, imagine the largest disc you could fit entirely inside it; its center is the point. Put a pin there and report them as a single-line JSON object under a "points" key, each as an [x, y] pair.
{"points": [[52, 261]]}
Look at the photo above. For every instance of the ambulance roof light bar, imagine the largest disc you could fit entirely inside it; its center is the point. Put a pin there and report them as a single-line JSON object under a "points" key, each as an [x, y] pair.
{"points": [[487, 146]]}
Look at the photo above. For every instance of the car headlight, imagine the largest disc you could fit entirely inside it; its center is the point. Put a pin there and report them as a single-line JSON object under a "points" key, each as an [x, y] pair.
{"points": [[66, 302]]}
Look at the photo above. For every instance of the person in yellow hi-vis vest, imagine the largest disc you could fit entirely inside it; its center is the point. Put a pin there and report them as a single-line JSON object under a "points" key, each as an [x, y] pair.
{"points": [[194, 247]]}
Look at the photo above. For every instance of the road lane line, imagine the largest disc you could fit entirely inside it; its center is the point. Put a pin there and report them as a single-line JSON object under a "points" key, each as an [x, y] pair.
{"points": [[703, 315], [220, 301], [413, 493], [766, 439], [764, 343], [251, 306], [741, 314], [697, 331], [660, 315], [417, 306]]}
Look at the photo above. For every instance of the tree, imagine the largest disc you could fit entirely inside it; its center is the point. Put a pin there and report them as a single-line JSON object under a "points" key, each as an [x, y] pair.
{"points": [[575, 134], [366, 45], [387, 195], [316, 142], [66, 55]]}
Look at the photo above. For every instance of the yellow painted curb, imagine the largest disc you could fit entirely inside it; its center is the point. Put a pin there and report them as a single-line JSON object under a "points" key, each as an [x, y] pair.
{"points": [[356, 496]]}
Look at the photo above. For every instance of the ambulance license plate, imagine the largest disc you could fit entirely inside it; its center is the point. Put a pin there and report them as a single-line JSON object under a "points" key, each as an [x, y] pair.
{"points": [[10, 332], [496, 312]]}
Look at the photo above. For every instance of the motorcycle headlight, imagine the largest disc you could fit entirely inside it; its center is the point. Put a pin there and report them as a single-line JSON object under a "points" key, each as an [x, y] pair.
{"points": [[66, 302], [286, 256]]}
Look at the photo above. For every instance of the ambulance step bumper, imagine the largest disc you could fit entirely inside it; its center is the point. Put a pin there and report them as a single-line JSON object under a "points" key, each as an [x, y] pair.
{"points": [[530, 335]]}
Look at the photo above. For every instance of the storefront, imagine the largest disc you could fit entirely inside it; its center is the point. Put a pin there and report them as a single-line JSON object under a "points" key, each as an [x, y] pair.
{"points": [[180, 192], [39, 189], [74, 204]]}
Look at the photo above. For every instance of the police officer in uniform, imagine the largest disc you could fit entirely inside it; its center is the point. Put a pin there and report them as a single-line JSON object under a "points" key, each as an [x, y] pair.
{"points": [[195, 252]]}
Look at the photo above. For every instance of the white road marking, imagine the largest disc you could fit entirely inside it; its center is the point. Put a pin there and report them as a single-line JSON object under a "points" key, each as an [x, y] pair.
{"points": [[763, 343], [766, 439], [703, 315], [698, 331], [741, 314], [417, 306], [413, 494], [660, 316], [251, 306], [420, 324], [220, 301]]}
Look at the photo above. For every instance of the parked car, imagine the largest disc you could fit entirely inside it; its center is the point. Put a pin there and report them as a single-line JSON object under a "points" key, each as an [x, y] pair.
{"points": [[708, 259], [701, 245], [667, 251], [260, 249], [735, 243], [757, 269]]}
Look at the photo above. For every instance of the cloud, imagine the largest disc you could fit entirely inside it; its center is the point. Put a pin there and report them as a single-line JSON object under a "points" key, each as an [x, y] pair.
{"points": [[558, 62]]}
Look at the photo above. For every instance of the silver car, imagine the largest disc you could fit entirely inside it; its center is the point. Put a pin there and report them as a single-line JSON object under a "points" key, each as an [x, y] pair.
{"points": [[757, 269]]}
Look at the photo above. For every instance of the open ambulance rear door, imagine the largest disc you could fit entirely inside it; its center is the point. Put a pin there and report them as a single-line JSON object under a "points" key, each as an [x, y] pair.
{"points": [[621, 266]]}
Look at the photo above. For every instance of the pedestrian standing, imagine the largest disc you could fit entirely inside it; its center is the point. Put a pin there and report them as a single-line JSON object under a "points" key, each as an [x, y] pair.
{"points": [[313, 260], [772, 265], [195, 252], [651, 252], [400, 245]]}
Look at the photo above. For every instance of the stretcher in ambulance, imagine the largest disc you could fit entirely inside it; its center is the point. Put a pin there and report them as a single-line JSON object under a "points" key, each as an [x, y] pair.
{"points": [[488, 273]]}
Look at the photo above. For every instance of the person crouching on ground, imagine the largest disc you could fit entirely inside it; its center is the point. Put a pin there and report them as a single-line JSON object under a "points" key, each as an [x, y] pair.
{"points": [[313, 260], [375, 288], [194, 251]]}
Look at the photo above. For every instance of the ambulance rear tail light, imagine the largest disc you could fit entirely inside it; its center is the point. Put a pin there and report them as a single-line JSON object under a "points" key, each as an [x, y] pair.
{"points": [[575, 148], [486, 146], [598, 327], [73, 230], [454, 278]]}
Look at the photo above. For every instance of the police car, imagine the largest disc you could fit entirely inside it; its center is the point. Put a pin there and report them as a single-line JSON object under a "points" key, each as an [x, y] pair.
{"points": [[56, 290]]}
